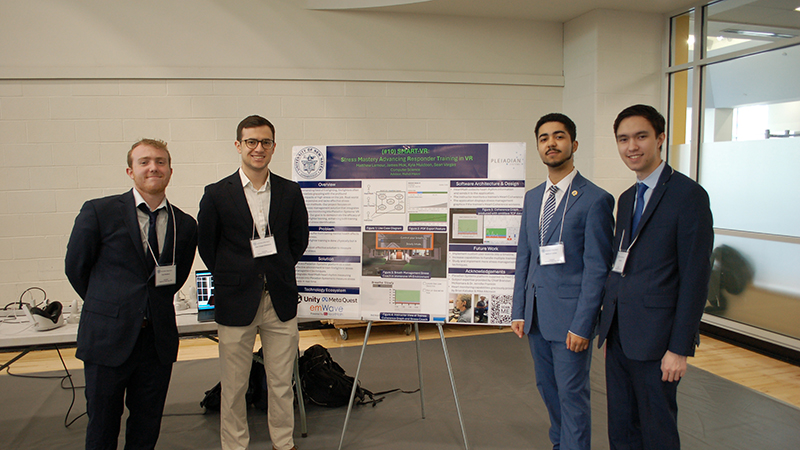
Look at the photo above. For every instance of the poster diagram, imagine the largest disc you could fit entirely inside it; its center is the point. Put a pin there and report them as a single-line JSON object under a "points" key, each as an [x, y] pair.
{"points": [[383, 202], [424, 233]]}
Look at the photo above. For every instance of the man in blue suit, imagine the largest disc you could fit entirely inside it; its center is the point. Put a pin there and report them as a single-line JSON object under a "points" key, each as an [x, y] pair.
{"points": [[657, 288], [563, 258], [127, 256]]}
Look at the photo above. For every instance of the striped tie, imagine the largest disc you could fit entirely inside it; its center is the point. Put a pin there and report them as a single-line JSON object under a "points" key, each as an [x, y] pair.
{"points": [[547, 213]]}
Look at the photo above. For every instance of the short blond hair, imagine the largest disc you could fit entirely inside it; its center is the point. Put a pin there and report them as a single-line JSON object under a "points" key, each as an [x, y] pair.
{"points": [[157, 143]]}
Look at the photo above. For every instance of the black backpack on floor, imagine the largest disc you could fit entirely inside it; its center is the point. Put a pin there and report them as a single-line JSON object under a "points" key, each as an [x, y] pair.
{"points": [[256, 394], [325, 382]]}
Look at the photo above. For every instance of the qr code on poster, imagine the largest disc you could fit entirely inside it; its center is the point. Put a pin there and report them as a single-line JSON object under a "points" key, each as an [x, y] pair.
{"points": [[500, 309]]}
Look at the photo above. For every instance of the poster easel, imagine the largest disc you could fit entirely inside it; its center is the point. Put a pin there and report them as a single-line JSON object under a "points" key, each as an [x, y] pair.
{"points": [[421, 388]]}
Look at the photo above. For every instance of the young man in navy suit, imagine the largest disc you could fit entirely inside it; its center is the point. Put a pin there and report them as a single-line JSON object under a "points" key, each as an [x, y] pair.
{"points": [[563, 258], [253, 229], [657, 288], [127, 256]]}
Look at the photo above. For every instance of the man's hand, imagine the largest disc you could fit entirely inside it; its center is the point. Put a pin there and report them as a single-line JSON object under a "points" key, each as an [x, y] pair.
{"points": [[673, 367], [518, 327], [576, 343]]}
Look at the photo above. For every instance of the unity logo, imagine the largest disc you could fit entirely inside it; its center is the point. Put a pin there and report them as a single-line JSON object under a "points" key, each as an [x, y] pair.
{"points": [[326, 305]]}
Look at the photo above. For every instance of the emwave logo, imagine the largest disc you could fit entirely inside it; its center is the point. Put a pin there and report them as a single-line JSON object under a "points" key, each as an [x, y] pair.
{"points": [[326, 309]]}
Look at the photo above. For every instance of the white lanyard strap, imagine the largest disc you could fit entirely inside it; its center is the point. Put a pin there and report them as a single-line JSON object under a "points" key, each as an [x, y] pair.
{"points": [[563, 215], [174, 237], [257, 236]]}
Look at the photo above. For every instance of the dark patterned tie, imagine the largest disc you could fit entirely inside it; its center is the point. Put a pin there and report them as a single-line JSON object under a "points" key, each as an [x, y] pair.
{"points": [[637, 215], [152, 237], [547, 214]]}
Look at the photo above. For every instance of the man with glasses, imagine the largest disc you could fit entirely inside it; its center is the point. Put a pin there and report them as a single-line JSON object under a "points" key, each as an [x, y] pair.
{"points": [[253, 228]]}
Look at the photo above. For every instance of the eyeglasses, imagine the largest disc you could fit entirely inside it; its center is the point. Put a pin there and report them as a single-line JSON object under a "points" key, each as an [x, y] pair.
{"points": [[253, 143]]}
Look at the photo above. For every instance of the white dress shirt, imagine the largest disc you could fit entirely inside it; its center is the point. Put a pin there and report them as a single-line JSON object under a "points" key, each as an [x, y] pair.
{"points": [[562, 185], [258, 200], [144, 221]]}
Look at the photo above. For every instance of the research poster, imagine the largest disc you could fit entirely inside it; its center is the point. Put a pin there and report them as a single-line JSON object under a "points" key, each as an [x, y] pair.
{"points": [[418, 233]]}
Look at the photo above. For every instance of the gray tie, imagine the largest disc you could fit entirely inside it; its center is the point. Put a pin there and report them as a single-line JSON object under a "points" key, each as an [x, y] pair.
{"points": [[547, 214]]}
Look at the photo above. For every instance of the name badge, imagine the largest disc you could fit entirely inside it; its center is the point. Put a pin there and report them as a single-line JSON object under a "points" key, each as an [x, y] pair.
{"points": [[619, 263], [166, 275], [263, 247], [552, 254]]}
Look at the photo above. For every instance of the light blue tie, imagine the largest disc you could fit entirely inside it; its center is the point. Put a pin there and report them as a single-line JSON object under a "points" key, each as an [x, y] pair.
{"points": [[547, 213], [637, 215]]}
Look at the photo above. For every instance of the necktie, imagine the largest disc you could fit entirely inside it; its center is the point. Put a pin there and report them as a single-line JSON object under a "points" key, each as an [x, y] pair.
{"points": [[152, 237], [637, 214], [547, 213]]}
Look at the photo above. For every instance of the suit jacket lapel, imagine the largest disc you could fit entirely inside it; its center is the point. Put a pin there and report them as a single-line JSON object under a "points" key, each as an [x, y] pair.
{"points": [[624, 213], [536, 206], [236, 194], [567, 201], [275, 197], [658, 193], [129, 215]]}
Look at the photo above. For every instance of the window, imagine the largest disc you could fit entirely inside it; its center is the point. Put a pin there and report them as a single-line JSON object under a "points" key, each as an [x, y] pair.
{"points": [[744, 148]]}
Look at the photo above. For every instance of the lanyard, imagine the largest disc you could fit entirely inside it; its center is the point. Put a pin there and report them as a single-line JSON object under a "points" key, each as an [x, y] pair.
{"points": [[563, 214], [174, 237], [254, 235]]}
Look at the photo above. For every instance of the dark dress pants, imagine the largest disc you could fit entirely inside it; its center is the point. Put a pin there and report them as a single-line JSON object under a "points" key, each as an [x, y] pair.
{"points": [[642, 409], [141, 384]]}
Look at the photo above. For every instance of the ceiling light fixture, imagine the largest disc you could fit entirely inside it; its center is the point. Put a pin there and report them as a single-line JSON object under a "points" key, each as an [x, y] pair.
{"points": [[762, 34]]}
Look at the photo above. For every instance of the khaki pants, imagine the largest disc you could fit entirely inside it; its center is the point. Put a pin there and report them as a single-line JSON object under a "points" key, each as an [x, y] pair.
{"points": [[279, 341]]}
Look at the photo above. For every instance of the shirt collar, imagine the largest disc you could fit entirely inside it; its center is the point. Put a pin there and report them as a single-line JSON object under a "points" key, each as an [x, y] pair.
{"points": [[652, 180], [137, 197], [246, 181], [563, 185]]}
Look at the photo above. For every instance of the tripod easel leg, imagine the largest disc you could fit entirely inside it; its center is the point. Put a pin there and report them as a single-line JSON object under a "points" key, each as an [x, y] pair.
{"points": [[453, 384], [355, 383], [419, 370]]}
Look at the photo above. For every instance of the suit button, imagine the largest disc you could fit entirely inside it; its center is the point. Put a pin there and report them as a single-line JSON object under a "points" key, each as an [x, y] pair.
{"points": [[622, 275], [261, 276]]}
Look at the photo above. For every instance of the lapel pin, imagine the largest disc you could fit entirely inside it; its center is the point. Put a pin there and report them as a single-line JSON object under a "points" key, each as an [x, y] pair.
{"points": [[574, 193]]}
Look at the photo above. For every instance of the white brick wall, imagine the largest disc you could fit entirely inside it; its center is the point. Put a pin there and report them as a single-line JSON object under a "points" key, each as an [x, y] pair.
{"points": [[611, 61], [64, 142]]}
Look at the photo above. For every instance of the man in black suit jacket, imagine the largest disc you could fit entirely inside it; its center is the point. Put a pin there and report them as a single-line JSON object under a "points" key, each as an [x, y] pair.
{"points": [[127, 337], [253, 229], [655, 294]]}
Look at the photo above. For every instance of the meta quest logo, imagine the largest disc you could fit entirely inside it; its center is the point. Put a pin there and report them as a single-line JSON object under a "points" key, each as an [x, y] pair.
{"points": [[326, 305]]}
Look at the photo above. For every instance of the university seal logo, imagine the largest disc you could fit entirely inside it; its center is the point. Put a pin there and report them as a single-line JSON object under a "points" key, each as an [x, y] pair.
{"points": [[309, 162]]}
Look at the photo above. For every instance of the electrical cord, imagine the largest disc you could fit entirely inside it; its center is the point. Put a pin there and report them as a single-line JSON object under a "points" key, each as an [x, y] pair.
{"points": [[67, 377], [34, 305], [72, 385]]}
